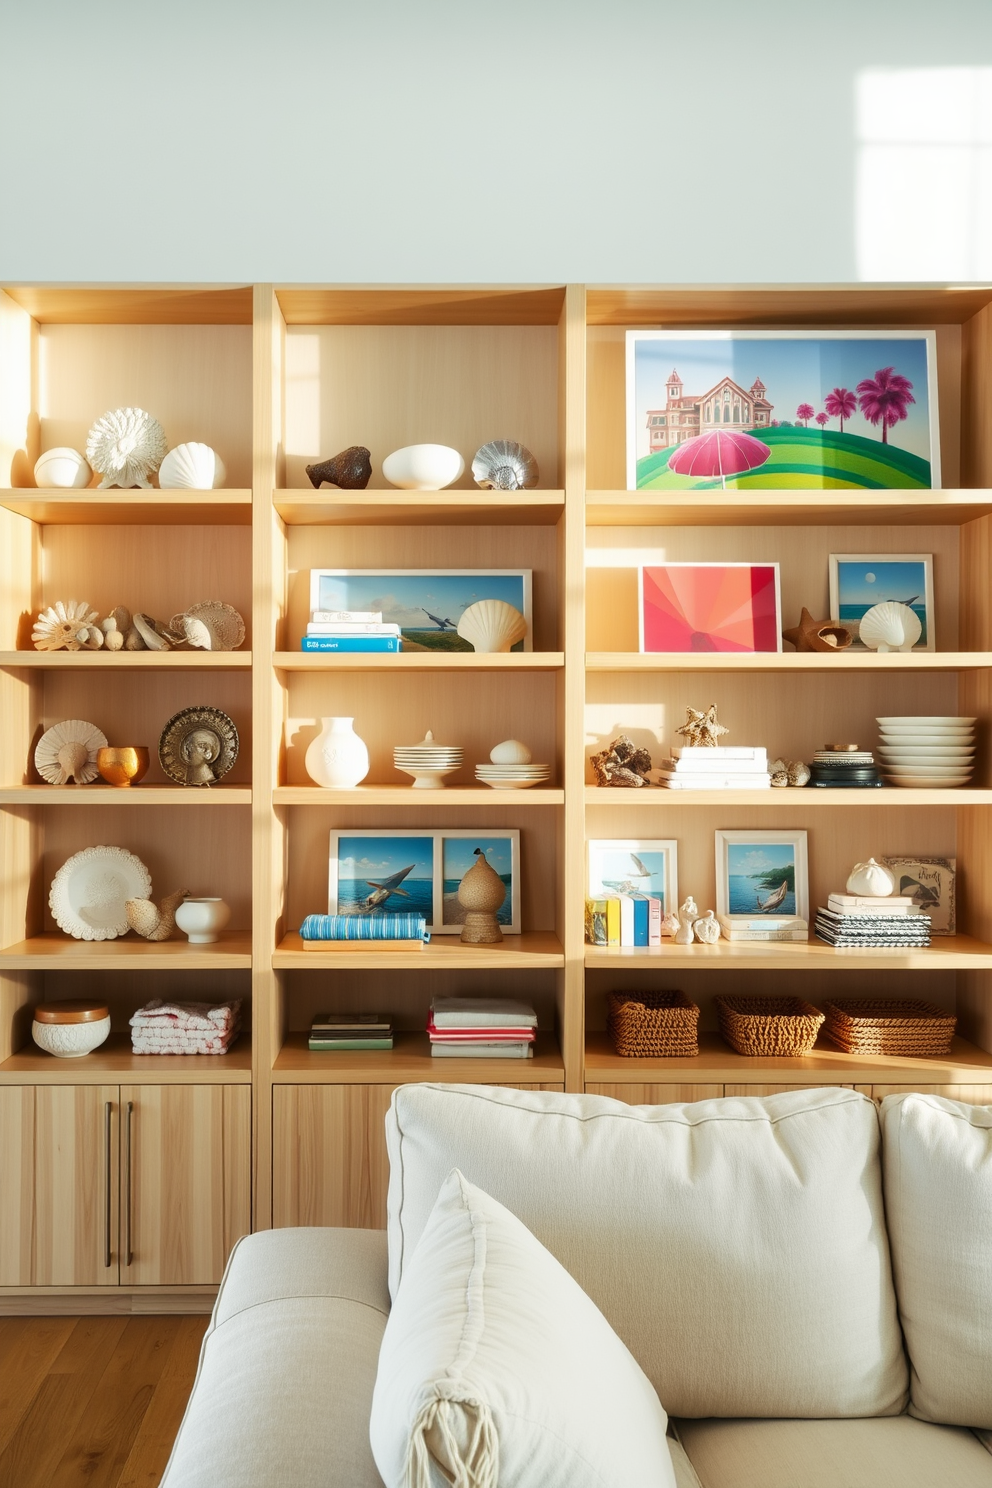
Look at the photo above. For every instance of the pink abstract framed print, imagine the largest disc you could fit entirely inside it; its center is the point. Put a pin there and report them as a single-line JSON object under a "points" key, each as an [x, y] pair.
{"points": [[693, 607]]}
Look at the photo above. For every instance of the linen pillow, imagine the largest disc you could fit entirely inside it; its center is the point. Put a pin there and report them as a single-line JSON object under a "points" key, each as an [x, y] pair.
{"points": [[495, 1367], [737, 1246], [937, 1161]]}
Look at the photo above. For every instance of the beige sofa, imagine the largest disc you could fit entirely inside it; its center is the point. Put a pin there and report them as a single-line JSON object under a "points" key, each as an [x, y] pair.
{"points": [[806, 1282]]}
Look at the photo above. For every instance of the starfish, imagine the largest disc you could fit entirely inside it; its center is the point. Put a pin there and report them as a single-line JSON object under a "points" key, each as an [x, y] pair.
{"points": [[701, 728], [817, 635]]}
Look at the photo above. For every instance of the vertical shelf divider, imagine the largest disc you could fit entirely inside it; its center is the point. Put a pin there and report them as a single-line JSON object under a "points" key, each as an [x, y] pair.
{"points": [[572, 412]]}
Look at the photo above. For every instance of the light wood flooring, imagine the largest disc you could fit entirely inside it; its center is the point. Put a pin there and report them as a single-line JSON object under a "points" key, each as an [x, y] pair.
{"points": [[93, 1402]]}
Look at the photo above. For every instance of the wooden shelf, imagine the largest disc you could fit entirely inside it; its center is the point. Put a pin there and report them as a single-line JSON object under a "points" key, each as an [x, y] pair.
{"points": [[56, 952], [445, 953], [418, 661], [115, 1060], [782, 508], [510, 305], [717, 1063], [130, 661], [410, 1059], [788, 661], [394, 508], [787, 797], [768, 306], [89, 508], [406, 795], [947, 953], [132, 795]]}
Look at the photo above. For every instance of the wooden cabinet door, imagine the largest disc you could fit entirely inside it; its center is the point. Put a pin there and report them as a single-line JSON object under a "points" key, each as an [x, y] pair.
{"points": [[17, 1168], [75, 1186], [185, 1180]]}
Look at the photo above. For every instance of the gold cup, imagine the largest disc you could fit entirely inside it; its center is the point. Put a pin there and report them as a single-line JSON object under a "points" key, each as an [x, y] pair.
{"points": [[121, 766]]}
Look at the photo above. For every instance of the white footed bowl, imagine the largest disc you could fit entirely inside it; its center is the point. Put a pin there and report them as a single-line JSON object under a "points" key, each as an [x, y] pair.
{"points": [[202, 920], [192, 466], [423, 467], [70, 1040], [62, 468]]}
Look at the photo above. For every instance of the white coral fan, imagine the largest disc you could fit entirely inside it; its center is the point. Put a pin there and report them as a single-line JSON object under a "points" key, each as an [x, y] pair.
{"points": [[65, 626], [125, 446]]}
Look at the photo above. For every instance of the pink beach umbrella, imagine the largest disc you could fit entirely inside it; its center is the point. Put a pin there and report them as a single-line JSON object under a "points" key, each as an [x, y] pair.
{"points": [[721, 452]]}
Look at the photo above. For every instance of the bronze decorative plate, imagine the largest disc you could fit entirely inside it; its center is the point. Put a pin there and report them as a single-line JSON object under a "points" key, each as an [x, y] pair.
{"points": [[198, 746]]}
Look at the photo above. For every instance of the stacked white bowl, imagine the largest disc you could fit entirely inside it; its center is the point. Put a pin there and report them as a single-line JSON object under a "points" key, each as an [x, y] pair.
{"points": [[428, 762], [927, 752]]}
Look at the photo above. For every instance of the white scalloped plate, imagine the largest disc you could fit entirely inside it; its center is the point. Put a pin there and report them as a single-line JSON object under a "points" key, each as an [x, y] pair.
{"points": [[89, 891]]}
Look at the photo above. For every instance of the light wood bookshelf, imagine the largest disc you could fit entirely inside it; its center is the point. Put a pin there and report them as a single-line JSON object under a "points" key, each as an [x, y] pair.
{"points": [[276, 377]]}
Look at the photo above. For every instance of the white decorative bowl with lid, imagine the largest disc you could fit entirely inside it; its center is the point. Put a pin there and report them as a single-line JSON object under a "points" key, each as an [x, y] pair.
{"points": [[71, 1028]]}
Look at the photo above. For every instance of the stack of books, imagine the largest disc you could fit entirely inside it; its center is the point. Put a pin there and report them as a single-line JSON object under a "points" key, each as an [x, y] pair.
{"points": [[624, 920], [350, 630], [718, 768], [481, 1028], [344, 1031], [866, 920], [763, 927]]}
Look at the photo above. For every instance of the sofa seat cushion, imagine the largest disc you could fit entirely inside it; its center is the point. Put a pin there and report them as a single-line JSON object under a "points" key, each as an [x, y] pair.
{"points": [[938, 1194], [891, 1452], [737, 1246], [287, 1368]]}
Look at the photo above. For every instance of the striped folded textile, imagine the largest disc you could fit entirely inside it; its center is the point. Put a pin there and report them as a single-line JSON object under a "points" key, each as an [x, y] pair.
{"points": [[365, 927]]}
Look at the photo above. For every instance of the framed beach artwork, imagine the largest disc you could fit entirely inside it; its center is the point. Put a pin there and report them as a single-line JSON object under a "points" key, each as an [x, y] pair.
{"points": [[793, 410], [426, 604], [414, 871], [696, 607], [762, 872], [859, 581], [635, 867]]}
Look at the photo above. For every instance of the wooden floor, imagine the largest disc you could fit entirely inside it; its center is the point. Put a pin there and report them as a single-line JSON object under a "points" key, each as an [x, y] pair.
{"points": [[93, 1402]]}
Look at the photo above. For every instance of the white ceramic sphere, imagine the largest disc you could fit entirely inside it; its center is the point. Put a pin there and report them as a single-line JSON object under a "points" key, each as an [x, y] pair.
{"points": [[62, 468], [423, 467], [202, 920], [510, 752], [70, 1040]]}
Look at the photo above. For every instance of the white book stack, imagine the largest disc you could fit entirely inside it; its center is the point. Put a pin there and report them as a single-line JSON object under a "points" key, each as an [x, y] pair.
{"points": [[695, 767], [866, 920], [763, 927]]}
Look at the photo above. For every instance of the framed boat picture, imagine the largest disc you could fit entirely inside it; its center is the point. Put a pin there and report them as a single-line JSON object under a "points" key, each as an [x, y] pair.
{"points": [[761, 873], [782, 410], [696, 607]]}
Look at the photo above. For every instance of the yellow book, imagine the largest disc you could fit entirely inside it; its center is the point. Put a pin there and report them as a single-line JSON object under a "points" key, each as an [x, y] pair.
{"points": [[613, 922]]}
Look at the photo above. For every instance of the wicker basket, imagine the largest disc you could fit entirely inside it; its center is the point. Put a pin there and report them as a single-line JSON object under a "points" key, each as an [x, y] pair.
{"points": [[768, 1025], [653, 1024], [865, 1025]]}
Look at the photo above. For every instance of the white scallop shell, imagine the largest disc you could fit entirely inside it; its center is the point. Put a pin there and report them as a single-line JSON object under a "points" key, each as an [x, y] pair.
{"points": [[510, 752], [69, 739], [192, 465], [62, 468], [492, 625], [423, 467], [125, 446], [504, 465], [890, 627], [210, 625]]}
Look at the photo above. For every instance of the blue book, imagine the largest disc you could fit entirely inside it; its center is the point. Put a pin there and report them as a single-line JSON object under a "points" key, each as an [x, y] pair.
{"points": [[351, 643], [641, 911]]}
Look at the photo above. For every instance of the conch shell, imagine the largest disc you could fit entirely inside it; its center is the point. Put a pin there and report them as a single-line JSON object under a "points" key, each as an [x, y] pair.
{"points": [[152, 921]]}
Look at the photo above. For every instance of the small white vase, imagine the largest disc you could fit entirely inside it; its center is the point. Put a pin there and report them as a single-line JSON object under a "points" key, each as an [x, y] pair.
{"points": [[337, 758], [202, 920]]}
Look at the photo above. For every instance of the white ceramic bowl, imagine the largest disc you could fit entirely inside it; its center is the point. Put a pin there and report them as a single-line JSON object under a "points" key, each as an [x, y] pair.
{"points": [[62, 468], [423, 467], [966, 731], [71, 1040], [928, 756], [202, 920]]}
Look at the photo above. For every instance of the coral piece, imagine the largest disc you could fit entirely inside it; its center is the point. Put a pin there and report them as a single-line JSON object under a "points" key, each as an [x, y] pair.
{"points": [[351, 470], [788, 772], [64, 626], [492, 625], [818, 635], [125, 446], [152, 921], [621, 763], [67, 751], [701, 729], [504, 465]]}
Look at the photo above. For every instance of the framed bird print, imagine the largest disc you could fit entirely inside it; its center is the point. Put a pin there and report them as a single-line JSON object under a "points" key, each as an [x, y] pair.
{"points": [[762, 873], [634, 867]]}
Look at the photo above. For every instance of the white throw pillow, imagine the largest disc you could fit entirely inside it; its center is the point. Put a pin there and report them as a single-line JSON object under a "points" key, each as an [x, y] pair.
{"points": [[938, 1193], [737, 1246], [495, 1368]]}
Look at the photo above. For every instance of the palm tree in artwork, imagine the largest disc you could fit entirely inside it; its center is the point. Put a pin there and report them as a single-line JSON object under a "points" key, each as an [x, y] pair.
{"points": [[840, 404], [805, 412], [822, 419], [883, 398]]}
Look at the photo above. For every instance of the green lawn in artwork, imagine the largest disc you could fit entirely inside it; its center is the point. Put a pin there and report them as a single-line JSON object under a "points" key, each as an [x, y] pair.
{"points": [[803, 459]]}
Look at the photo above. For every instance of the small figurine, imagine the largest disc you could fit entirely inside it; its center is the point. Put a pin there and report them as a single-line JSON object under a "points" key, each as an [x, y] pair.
{"points": [[688, 912], [351, 470], [701, 729]]}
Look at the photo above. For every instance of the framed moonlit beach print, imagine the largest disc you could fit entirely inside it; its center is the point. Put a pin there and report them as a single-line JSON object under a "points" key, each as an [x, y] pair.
{"points": [[859, 581], [696, 607], [426, 604], [761, 873], [786, 410]]}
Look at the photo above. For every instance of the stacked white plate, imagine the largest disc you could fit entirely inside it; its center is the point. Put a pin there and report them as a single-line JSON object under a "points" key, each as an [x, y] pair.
{"points": [[512, 777], [927, 752], [428, 762]]}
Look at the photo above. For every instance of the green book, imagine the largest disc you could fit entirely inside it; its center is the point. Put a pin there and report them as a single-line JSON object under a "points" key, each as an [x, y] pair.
{"points": [[320, 1044]]}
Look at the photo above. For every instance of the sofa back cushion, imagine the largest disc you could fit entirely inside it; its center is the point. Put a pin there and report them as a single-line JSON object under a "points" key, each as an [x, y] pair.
{"points": [[938, 1194], [737, 1246]]}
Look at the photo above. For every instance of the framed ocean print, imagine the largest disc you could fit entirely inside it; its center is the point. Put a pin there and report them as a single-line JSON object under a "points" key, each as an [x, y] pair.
{"points": [[426, 604], [930, 883], [859, 581], [458, 848], [793, 410], [762, 872], [634, 867], [695, 607]]}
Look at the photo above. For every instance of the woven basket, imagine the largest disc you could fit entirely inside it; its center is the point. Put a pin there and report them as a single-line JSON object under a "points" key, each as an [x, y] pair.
{"points": [[659, 1024], [768, 1025], [865, 1025]]}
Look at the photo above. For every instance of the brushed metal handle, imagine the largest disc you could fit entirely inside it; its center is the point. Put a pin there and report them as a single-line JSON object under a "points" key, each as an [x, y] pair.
{"points": [[108, 1107], [128, 1254]]}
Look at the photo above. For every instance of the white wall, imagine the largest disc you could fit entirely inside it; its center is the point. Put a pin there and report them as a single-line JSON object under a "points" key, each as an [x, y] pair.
{"points": [[495, 140]]}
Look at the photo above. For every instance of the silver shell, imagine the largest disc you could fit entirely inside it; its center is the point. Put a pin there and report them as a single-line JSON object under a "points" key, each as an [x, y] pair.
{"points": [[504, 465]]}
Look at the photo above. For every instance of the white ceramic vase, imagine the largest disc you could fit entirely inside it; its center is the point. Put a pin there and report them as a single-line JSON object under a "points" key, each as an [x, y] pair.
{"points": [[202, 920], [337, 758]]}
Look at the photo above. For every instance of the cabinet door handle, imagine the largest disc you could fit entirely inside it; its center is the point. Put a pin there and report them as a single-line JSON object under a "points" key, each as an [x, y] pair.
{"points": [[108, 1215], [128, 1254]]}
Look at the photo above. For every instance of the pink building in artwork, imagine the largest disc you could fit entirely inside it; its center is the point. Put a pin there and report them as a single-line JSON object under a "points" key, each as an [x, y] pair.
{"points": [[688, 414]]}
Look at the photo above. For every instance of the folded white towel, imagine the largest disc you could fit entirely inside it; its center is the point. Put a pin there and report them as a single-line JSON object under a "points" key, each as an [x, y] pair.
{"points": [[205, 1016]]}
